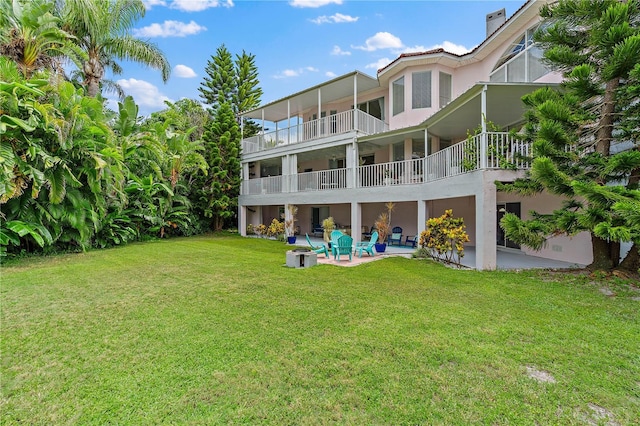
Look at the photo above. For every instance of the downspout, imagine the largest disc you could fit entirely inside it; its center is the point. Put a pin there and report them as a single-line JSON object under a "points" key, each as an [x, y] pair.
{"points": [[262, 137], [288, 121], [319, 109]]}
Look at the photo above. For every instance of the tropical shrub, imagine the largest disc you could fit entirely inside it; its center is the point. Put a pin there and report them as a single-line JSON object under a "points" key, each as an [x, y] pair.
{"points": [[276, 229], [445, 237]]}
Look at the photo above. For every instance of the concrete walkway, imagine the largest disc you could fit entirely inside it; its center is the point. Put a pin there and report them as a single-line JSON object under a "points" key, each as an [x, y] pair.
{"points": [[506, 259]]}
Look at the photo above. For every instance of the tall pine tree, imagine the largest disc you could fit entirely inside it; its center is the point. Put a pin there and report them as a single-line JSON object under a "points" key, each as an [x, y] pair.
{"points": [[584, 136], [234, 82], [217, 196]]}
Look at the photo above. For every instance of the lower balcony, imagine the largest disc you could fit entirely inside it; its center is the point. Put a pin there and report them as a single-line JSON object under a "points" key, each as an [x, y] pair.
{"points": [[483, 152]]}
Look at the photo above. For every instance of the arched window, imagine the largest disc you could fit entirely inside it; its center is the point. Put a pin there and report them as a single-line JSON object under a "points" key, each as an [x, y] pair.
{"points": [[521, 62]]}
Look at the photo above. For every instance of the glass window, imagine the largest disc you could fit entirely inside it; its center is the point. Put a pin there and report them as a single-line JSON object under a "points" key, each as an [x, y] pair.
{"points": [[536, 68], [521, 62], [374, 108], [516, 69], [417, 148], [421, 89], [398, 151], [398, 96], [445, 89]]}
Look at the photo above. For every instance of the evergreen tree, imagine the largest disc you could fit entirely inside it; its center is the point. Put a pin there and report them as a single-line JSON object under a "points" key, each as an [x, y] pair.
{"points": [[584, 136], [217, 197], [233, 82]]}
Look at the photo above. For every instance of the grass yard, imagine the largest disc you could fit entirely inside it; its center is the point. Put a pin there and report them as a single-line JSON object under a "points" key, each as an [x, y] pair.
{"points": [[216, 330]]}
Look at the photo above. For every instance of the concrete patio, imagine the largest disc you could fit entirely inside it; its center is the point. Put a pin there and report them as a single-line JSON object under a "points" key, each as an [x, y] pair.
{"points": [[507, 259]]}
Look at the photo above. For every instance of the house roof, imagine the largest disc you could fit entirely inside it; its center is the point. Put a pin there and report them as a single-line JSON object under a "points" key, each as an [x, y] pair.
{"points": [[527, 11], [342, 88], [334, 90]]}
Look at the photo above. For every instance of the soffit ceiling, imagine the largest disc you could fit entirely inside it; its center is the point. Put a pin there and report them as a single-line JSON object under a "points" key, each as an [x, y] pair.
{"points": [[331, 91]]}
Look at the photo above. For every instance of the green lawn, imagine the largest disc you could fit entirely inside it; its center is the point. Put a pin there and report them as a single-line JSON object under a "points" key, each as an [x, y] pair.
{"points": [[216, 330]]}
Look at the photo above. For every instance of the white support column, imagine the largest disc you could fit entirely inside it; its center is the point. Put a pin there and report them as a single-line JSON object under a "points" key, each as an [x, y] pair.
{"points": [[423, 215], [245, 174], [242, 220], [293, 167], [356, 222], [483, 123], [486, 227], [356, 163], [355, 101], [351, 162], [286, 173]]}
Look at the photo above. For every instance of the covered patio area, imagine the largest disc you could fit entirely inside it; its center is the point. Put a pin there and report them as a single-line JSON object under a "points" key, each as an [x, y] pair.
{"points": [[506, 259]]}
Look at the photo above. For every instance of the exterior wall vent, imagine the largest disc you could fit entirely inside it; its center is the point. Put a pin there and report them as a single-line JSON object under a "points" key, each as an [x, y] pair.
{"points": [[495, 20]]}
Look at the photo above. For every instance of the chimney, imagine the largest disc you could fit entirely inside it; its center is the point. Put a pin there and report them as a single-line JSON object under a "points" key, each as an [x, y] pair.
{"points": [[494, 20]]}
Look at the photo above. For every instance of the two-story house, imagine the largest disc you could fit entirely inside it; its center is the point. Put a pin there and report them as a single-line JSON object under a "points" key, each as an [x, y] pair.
{"points": [[346, 147]]}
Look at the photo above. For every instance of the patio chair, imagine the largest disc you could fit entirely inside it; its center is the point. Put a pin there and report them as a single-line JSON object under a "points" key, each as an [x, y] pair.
{"points": [[335, 234], [396, 236], [366, 233], [318, 249], [344, 246], [411, 240], [368, 246]]}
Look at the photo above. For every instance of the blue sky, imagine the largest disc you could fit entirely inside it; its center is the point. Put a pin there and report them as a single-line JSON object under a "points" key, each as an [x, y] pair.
{"points": [[297, 43]]}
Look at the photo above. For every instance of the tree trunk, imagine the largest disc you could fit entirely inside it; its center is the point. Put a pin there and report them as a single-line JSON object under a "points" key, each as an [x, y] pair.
{"points": [[631, 262], [93, 74], [605, 126], [601, 254]]}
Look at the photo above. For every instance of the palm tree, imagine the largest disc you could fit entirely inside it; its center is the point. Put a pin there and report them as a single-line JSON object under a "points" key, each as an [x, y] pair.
{"points": [[102, 28], [31, 36]]}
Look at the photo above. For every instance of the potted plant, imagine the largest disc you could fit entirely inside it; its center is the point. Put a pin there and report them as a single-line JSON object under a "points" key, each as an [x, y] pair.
{"points": [[290, 224], [328, 225], [383, 226]]}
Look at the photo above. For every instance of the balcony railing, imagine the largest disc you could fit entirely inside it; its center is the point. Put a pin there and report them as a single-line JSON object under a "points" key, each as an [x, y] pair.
{"points": [[336, 124], [486, 151]]}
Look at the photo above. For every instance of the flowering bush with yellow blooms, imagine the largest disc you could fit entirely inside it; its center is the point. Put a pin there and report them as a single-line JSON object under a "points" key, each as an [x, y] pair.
{"points": [[275, 229], [445, 237]]}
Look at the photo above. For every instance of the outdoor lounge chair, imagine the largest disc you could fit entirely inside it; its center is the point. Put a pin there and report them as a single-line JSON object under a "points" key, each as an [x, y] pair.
{"points": [[344, 246], [396, 236], [318, 249], [368, 246]]}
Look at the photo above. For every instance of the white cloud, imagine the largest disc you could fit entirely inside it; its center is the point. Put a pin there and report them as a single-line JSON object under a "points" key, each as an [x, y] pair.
{"points": [[144, 93], [452, 48], [339, 52], [330, 74], [313, 3], [169, 29], [199, 5], [148, 4], [413, 49], [183, 71], [382, 40], [380, 63], [294, 73], [338, 18]]}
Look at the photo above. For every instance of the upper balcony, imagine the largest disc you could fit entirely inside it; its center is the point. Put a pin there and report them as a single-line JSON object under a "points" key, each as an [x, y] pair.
{"points": [[336, 124]]}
